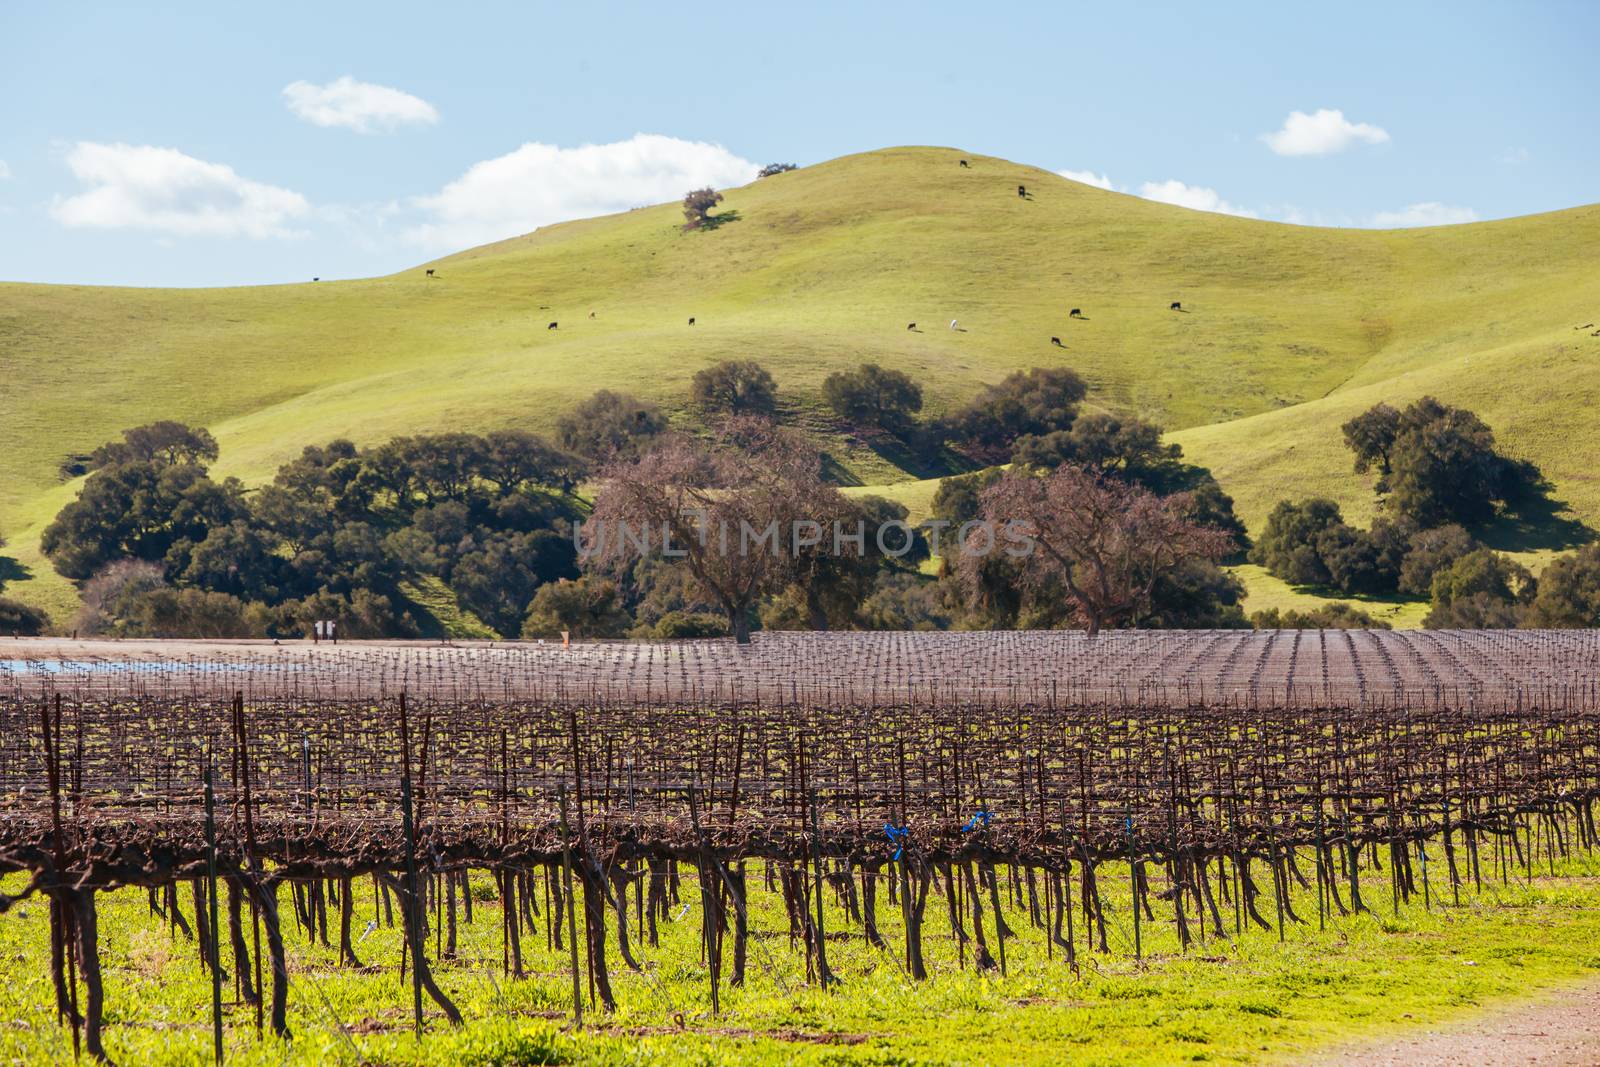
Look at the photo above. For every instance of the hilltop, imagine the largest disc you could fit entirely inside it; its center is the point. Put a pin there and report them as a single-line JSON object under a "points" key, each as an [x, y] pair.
{"points": [[1285, 332]]}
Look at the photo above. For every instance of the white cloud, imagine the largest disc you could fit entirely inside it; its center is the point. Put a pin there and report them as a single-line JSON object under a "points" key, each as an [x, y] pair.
{"points": [[539, 184], [149, 188], [1431, 213], [5, 171], [1087, 177], [360, 106], [1197, 197], [1295, 215], [1322, 133]]}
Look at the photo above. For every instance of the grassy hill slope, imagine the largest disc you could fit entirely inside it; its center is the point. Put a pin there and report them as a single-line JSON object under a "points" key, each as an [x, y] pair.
{"points": [[1286, 330]]}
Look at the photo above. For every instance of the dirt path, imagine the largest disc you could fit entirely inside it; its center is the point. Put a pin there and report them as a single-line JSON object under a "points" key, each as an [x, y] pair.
{"points": [[1562, 1030]]}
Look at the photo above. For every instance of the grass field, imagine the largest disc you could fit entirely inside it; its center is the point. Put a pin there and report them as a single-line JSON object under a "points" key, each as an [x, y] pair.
{"points": [[1285, 332], [1239, 1000]]}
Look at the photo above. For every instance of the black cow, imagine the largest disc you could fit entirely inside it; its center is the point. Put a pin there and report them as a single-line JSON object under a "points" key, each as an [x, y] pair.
{"points": [[1056, 341], [911, 326], [316, 279], [1022, 191], [1177, 305], [1075, 313], [430, 272], [691, 320], [552, 326], [964, 163]]}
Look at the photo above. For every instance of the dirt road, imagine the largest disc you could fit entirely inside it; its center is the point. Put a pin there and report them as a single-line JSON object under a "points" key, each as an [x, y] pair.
{"points": [[1562, 1030]]}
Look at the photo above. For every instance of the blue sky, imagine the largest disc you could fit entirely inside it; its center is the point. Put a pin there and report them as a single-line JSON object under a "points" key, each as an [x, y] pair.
{"points": [[229, 144]]}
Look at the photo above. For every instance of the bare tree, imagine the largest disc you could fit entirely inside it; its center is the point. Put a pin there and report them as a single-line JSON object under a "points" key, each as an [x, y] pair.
{"points": [[1102, 542], [737, 512]]}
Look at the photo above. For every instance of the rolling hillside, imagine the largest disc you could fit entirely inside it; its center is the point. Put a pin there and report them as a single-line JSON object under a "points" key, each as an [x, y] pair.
{"points": [[1286, 331]]}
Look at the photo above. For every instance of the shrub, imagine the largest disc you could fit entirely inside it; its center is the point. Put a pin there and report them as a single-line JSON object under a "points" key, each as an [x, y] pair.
{"points": [[169, 612], [1288, 547], [111, 598], [1482, 589], [903, 601], [1335, 616], [676, 625], [958, 498], [1430, 551], [1569, 591], [1350, 557], [1195, 595], [774, 168], [590, 606]]}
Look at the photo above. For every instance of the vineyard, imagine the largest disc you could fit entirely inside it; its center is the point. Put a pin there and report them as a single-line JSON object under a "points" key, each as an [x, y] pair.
{"points": [[1007, 785]]}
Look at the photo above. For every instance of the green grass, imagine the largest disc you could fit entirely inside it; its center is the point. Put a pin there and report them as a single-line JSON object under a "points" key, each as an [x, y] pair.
{"points": [[1263, 592], [1287, 330], [1240, 1000]]}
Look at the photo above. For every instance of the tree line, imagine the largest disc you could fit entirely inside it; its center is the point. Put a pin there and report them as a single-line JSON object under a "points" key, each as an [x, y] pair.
{"points": [[161, 547], [1121, 530]]}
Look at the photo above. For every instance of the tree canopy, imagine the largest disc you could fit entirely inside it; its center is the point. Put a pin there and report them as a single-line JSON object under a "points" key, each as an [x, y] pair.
{"points": [[340, 533], [697, 205], [1437, 464], [734, 387], [608, 426], [727, 509], [1040, 401], [1105, 544], [873, 397]]}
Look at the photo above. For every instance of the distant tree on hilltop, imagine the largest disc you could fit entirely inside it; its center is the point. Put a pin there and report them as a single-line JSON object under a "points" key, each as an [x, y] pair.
{"points": [[775, 168], [697, 205]]}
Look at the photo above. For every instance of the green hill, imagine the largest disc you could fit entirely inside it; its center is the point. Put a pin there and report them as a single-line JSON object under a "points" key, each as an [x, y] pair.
{"points": [[1285, 331]]}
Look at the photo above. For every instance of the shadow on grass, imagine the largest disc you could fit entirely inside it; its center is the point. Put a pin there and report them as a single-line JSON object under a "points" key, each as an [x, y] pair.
{"points": [[915, 461], [721, 218], [12, 571], [836, 473], [1542, 523], [1373, 600]]}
